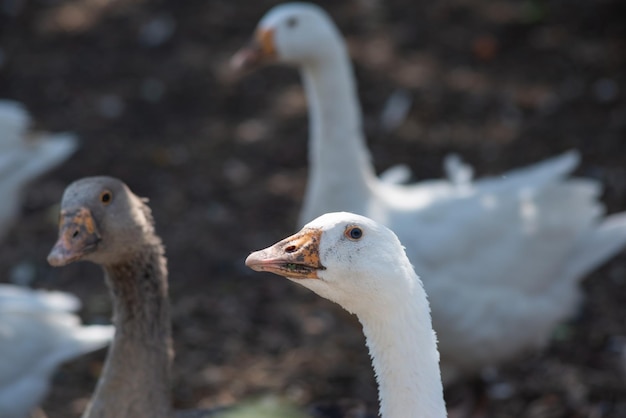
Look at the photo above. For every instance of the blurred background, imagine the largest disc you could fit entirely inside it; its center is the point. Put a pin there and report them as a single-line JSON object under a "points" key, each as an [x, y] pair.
{"points": [[147, 87]]}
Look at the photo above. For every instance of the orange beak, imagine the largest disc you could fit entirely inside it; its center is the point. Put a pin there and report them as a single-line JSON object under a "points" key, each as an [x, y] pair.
{"points": [[259, 51], [78, 236], [296, 257]]}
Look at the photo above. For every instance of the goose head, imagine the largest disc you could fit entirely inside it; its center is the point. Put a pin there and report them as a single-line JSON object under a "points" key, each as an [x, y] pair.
{"points": [[346, 258], [292, 33], [101, 221]]}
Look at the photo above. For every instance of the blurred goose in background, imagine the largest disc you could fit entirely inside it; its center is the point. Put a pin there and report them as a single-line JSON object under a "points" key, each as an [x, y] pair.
{"points": [[24, 156], [361, 265], [38, 331], [501, 258], [102, 221]]}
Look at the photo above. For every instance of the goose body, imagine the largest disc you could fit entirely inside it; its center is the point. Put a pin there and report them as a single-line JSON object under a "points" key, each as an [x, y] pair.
{"points": [[38, 331], [501, 257], [361, 265], [24, 156]]}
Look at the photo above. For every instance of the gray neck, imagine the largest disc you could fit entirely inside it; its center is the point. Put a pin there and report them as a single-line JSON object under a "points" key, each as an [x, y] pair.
{"points": [[136, 378], [338, 156], [404, 355]]}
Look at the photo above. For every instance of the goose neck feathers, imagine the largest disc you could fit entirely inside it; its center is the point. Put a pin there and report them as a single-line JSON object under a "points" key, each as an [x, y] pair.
{"points": [[342, 175], [361, 265]]}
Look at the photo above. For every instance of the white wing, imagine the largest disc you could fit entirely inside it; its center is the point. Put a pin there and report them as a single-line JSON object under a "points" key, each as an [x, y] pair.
{"points": [[38, 331], [25, 156], [501, 258]]}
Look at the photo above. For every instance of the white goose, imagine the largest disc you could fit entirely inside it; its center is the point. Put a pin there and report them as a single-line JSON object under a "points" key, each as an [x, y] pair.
{"points": [[501, 258], [361, 265], [24, 156], [38, 332]]}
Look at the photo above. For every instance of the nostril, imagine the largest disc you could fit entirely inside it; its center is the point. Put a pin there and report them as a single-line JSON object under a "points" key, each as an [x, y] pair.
{"points": [[75, 234], [290, 249]]}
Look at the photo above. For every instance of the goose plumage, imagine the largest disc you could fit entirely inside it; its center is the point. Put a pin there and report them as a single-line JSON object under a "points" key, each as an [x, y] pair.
{"points": [[501, 258], [39, 330], [104, 222], [25, 155], [361, 265]]}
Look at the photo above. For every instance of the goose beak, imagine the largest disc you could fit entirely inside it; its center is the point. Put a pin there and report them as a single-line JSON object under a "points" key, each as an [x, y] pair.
{"points": [[259, 51], [78, 236], [296, 257]]}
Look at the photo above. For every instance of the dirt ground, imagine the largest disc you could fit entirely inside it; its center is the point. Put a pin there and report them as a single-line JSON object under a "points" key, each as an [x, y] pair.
{"points": [[147, 87]]}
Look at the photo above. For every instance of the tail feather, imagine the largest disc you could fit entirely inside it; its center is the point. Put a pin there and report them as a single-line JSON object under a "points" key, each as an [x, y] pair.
{"points": [[604, 242], [25, 155], [94, 337], [397, 174], [14, 122], [23, 299], [48, 152], [536, 175], [79, 340], [551, 168]]}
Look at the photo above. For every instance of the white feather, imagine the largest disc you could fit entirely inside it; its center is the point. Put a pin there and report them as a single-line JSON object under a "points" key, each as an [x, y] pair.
{"points": [[24, 156], [38, 331]]}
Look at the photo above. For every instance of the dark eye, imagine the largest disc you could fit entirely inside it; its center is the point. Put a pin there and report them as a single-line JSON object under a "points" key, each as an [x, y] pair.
{"points": [[292, 22], [105, 197], [354, 233]]}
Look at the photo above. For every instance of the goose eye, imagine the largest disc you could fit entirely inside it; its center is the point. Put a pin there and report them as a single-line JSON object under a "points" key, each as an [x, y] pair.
{"points": [[292, 22], [106, 197], [354, 233]]}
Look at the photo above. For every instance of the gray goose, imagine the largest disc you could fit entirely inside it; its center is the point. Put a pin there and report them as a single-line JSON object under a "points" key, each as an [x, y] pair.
{"points": [[102, 221]]}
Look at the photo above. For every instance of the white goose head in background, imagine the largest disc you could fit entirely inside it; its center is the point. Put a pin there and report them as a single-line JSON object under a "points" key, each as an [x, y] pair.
{"points": [[293, 33], [361, 265], [341, 175]]}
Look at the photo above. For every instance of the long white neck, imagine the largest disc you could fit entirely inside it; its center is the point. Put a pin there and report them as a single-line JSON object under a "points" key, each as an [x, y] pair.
{"points": [[404, 355], [340, 166]]}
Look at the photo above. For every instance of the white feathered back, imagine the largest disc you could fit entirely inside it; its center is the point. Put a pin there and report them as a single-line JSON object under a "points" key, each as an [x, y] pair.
{"points": [[38, 331]]}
